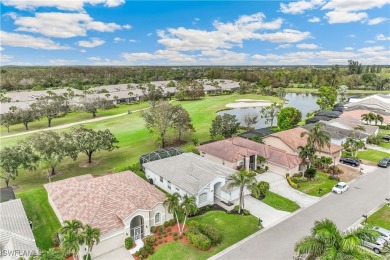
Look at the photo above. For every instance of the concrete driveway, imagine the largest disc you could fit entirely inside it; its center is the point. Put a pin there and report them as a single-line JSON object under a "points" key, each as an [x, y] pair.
{"points": [[118, 254], [279, 185], [266, 213]]}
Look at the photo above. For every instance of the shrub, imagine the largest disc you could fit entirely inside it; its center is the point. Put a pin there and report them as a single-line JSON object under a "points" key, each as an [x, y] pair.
{"points": [[292, 184], [129, 243], [199, 240], [335, 178], [310, 173], [55, 240], [153, 229], [335, 170], [180, 237], [213, 234], [165, 235], [137, 253], [174, 233], [160, 236], [143, 252], [160, 242], [246, 212], [166, 223], [149, 249], [175, 238], [298, 174], [195, 151], [236, 208], [192, 223], [150, 240], [169, 229], [172, 222]]}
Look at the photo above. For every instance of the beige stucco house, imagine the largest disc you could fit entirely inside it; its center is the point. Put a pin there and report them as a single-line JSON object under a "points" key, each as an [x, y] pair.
{"points": [[121, 205], [291, 139]]}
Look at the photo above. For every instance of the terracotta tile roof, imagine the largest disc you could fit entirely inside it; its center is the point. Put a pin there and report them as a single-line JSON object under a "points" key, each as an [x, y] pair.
{"points": [[104, 202], [293, 139], [357, 114], [236, 148]]}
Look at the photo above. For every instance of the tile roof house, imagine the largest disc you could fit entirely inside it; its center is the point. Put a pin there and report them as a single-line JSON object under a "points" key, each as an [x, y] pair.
{"points": [[237, 151], [16, 237], [121, 205], [375, 103], [291, 139], [191, 174], [348, 123], [357, 114]]}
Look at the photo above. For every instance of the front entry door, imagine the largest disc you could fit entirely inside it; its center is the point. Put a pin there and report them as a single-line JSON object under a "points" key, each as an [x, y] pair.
{"points": [[137, 233]]}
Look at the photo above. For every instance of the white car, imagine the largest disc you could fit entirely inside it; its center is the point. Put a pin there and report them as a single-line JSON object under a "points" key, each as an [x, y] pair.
{"points": [[385, 234], [340, 187]]}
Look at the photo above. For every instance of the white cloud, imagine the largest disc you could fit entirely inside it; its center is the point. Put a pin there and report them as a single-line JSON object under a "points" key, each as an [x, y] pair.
{"points": [[132, 40], [286, 35], [95, 58], [127, 26], [70, 5], [94, 42], [348, 48], [1, 49], [62, 25], [300, 7], [377, 20], [309, 46], [351, 36], [59, 62], [284, 46], [314, 20], [370, 41], [381, 37], [222, 57], [82, 50], [343, 11], [118, 39], [28, 41], [172, 57], [195, 21], [149, 34], [5, 58]]}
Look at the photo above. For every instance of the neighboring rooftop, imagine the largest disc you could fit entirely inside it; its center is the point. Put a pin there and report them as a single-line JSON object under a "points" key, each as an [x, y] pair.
{"points": [[236, 148], [15, 230], [376, 102], [189, 171], [357, 114], [258, 132], [348, 123], [336, 132], [103, 202], [7, 194]]}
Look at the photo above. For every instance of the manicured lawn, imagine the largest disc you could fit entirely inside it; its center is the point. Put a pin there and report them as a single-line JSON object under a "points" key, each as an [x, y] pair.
{"points": [[372, 155], [381, 218], [385, 145], [233, 227], [312, 187], [39, 211], [350, 91], [278, 202]]}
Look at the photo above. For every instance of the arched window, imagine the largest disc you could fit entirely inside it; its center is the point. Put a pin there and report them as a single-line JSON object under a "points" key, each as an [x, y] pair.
{"points": [[157, 218], [202, 198]]}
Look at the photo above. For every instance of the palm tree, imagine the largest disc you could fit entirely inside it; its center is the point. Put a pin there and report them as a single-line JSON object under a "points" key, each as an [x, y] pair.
{"points": [[379, 118], [172, 203], [317, 137], [91, 237], [327, 242], [371, 117], [365, 117], [71, 225], [242, 179], [188, 206], [306, 153], [259, 189], [51, 254], [71, 243], [354, 144], [358, 128]]}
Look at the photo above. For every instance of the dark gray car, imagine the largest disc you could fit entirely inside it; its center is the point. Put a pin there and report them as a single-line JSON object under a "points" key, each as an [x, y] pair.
{"points": [[385, 162]]}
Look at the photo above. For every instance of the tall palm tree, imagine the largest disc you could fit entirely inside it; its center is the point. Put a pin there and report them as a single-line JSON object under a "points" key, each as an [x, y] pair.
{"points": [[242, 179], [371, 117], [365, 117], [71, 225], [317, 137], [306, 153], [358, 128], [91, 237], [71, 243], [379, 118], [188, 206], [327, 242], [172, 204], [354, 144]]}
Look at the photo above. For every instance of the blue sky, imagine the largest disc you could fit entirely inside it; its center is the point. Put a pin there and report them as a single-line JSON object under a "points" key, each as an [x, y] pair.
{"points": [[118, 32]]}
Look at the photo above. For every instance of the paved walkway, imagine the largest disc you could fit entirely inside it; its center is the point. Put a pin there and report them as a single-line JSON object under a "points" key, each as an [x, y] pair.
{"points": [[118, 254], [266, 213], [378, 148], [279, 185]]}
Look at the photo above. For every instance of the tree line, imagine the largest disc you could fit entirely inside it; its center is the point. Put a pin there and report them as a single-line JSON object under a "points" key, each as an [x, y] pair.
{"points": [[47, 149]]}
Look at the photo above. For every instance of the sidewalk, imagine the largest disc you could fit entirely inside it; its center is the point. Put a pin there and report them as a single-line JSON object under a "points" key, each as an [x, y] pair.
{"points": [[378, 148]]}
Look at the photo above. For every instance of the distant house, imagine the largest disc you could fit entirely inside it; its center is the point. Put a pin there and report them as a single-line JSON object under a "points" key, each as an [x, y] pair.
{"points": [[377, 103], [239, 152], [348, 123], [16, 237], [357, 114], [291, 139], [193, 175], [121, 205], [7, 194]]}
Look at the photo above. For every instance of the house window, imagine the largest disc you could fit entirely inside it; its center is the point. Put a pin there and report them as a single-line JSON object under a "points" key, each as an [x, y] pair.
{"points": [[161, 179], [169, 185], [157, 218], [202, 198], [177, 189]]}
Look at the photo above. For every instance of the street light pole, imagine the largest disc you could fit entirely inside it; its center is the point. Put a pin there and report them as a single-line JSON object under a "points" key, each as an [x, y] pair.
{"points": [[366, 217]]}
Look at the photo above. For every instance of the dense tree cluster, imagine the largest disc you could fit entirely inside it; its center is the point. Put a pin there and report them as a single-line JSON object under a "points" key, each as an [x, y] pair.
{"points": [[288, 118], [224, 126], [189, 90]]}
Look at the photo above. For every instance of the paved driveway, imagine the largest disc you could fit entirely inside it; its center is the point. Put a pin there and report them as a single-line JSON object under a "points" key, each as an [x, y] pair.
{"points": [[266, 213], [118, 254], [279, 185]]}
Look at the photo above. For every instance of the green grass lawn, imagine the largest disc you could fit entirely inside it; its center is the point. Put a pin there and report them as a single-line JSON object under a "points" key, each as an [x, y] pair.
{"points": [[312, 187], [39, 211], [381, 218], [372, 155], [350, 91], [233, 227], [278, 202], [385, 145]]}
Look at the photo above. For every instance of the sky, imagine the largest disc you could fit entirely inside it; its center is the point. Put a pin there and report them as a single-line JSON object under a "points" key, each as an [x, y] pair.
{"points": [[119, 32]]}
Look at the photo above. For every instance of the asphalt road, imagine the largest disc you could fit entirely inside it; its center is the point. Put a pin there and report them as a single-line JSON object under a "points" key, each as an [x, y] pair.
{"points": [[277, 242]]}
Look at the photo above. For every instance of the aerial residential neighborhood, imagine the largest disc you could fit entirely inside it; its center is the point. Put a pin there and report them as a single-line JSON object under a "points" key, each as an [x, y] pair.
{"points": [[194, 130]]}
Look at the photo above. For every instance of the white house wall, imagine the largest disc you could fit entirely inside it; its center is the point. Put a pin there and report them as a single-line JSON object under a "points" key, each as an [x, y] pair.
{"points": [[164, 184]]}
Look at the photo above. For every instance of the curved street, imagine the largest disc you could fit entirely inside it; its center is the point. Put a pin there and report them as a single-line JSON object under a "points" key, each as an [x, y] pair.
{"points": [[365, 195]]}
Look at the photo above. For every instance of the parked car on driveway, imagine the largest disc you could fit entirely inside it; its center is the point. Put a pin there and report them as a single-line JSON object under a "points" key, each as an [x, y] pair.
{"points": [[385, 234], [378, 246], [350, 161], [340, 187], [386, 138], [385, 162]]}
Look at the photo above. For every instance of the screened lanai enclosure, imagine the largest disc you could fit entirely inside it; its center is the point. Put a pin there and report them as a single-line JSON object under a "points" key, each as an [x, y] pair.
{"points": [[160, 154]]}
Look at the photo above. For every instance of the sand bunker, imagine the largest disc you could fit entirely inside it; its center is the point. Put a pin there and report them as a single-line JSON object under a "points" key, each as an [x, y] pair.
{"points": [[251, 100], [248, 104]]}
